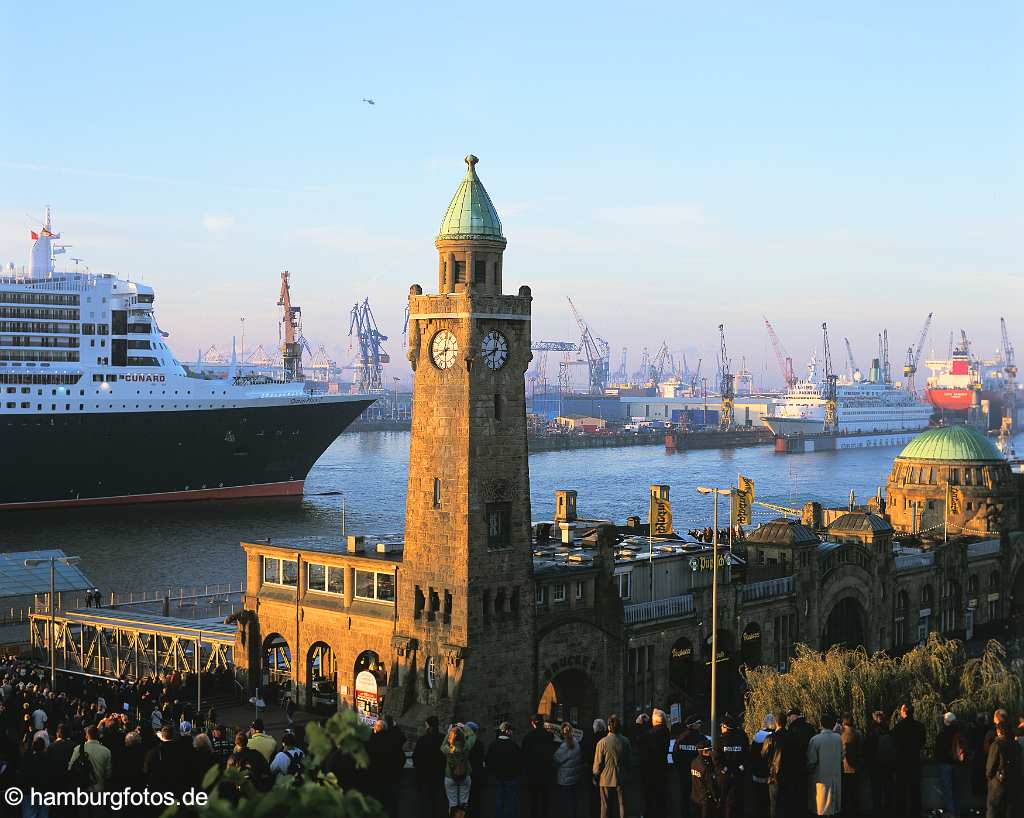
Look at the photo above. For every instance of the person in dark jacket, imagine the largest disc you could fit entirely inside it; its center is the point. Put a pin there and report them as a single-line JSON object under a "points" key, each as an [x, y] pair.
{"points": [[1003, 774], [428, 764], [166, 766], [729, 754], [538, 749], [771, 754], [704, 795], [34, 773], [909, 739], [59, 754], [950, 758], [759, 775], [477, 753], [853, 759], [504, 761], [129, 770], [793, 774], [654, 766], [683, 753], [387, 758]]}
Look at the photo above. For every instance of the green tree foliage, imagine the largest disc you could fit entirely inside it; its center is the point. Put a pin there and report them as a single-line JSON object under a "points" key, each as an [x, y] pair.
{"points": [[310, 794], [936, 677]]}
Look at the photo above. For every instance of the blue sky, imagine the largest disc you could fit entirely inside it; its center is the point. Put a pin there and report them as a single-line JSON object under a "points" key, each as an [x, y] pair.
{"points": [[669, 166]]}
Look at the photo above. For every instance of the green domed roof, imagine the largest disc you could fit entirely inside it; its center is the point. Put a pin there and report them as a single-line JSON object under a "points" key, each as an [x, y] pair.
{"points": [[951, 443], [471, 215]]}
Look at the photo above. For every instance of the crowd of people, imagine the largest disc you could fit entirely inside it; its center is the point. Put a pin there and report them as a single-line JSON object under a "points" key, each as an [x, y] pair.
{"points": [[788, 769], [101, 735]]}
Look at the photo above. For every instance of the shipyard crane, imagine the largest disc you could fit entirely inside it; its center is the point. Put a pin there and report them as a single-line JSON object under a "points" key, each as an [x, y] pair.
{"points": [[597, 353], [914, 357], [831, 380], [785, 361], [369, 375], [292, 341], [725, 417], [643, 375], [542, 348], [696, 377], [1009, 364], [622, 373], [886, 370], [849, 360], [662, 363]]}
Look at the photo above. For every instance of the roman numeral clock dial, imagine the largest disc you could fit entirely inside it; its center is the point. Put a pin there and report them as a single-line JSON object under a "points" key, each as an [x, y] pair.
{"points": [[444, 349], [495, 349]]}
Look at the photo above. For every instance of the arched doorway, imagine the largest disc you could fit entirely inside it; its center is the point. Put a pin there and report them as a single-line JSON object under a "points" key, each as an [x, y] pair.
{"points": [[277, 658], [727, 679], [845, 624], [321, 677], [570, 696], [370, 685]]}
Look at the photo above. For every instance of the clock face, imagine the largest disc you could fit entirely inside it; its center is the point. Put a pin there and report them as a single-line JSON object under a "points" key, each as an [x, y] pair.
{"points": [[495, 349], [444, 349]]}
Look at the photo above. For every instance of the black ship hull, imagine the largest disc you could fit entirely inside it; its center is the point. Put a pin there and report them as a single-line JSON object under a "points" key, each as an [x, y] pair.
{"points": [[132, 457]]}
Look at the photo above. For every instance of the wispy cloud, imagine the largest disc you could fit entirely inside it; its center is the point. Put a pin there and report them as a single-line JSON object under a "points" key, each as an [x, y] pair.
{"points": [[218, 222]]}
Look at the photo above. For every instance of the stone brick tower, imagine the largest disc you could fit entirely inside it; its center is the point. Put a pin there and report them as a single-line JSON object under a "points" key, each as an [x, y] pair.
{"points": [[464, 635]]}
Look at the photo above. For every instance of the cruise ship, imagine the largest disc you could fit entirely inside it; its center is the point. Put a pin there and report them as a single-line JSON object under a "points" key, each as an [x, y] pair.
{"points": [[95, 409], [865, 406]]}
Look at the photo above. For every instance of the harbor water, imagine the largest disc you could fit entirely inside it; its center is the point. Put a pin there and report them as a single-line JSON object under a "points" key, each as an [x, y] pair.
{"points": [[158, 546]]}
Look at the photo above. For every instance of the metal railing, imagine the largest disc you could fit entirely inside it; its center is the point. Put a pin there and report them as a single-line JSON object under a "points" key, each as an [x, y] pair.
{"points": [[768, 589], [188, 603], [672, 606]]}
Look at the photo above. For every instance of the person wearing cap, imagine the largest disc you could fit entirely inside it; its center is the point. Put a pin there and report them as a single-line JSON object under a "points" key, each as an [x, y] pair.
{"points": [[729, 754], [950, 757], [704, 796], [825, 763], [504, 762], [793, 785], [683, 754]]}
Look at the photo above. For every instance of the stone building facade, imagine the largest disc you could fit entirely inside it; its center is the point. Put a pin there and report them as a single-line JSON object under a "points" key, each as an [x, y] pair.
{"points": [[484, 613]]}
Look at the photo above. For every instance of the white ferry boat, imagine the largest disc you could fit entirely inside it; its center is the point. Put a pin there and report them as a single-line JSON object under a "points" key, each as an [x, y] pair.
{"points": [[865, 406], [95, 409]]}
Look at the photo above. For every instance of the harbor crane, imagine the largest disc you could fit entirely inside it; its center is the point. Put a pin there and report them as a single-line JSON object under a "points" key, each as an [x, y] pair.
{"points": [[622, 373], [542, 348], [831, 381], [785, 361], [914, 356], [883, 356], [662, 363], [369, 375], [725, 417], [1009, 364], [292, 341], [854, 369], [596, 351]]}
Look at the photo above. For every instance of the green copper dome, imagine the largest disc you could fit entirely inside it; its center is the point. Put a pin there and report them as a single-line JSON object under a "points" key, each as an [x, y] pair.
{"points": [[951, 443], [471, 215]]}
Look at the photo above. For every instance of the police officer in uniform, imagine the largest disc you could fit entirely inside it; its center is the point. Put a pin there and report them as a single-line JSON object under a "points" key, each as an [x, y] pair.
{"points": [[730, 759], [683, 754], [703, 782]]}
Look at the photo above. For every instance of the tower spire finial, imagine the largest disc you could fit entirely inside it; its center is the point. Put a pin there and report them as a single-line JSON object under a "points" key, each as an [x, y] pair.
{"points": [[471, 161]]}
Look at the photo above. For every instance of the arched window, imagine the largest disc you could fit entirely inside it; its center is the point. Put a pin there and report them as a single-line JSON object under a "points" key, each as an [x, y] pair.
{"points": [[949, 619], [902, 610], [972, 586]]}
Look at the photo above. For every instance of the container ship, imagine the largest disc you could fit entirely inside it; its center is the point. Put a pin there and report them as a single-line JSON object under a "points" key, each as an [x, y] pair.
{"points": [[96, 410], [962, 383]]}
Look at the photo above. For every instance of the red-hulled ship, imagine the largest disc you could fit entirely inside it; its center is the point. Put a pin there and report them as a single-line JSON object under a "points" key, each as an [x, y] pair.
{"points": [[962, 382]]}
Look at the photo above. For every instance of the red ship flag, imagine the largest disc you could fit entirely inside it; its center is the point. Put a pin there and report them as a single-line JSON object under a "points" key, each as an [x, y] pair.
{"points": [[35, 235]]}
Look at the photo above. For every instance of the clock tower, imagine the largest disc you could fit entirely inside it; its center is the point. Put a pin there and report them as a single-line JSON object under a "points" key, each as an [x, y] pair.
{"points": [[464, 630]]}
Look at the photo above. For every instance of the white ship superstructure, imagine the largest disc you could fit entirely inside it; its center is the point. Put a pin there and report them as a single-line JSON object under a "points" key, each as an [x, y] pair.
{"points": [[864, 406]]}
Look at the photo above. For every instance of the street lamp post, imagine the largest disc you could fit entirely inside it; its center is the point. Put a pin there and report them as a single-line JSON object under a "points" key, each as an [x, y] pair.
{"points": [[32, 563], [714, 602]]}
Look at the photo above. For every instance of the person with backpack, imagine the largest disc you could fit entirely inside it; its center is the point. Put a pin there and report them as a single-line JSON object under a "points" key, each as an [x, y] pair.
{"points": [[90, 767], [1003, 774], [288, 760], [457, 770]]}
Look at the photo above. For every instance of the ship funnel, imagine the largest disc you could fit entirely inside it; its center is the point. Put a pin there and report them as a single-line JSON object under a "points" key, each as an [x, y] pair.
{"points": [[875, 374], [40, 260]]}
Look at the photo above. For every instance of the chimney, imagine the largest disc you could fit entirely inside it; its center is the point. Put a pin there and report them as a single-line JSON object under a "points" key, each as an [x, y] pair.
{"points": [[356, 544]]}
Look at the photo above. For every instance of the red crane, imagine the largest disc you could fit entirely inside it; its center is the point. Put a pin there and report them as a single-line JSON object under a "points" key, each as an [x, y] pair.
{"points": [[785, 361]]}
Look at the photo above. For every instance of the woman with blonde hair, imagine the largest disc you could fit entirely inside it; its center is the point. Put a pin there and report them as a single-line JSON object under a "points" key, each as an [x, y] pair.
{"points": [[568, 760]]}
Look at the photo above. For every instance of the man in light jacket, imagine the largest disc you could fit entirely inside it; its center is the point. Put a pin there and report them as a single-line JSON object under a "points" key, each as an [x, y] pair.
{"points": [[611, 760], [98, 755], [825, 765]]}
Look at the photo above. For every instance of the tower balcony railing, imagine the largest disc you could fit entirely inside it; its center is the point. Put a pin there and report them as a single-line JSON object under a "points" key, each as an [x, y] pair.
{"points": [[768, 589], [667, 608]]}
